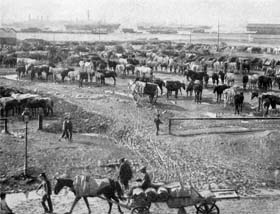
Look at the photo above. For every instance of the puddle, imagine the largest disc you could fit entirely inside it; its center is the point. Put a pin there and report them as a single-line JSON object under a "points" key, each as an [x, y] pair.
{"points": [[210, 114], [11, 77]]}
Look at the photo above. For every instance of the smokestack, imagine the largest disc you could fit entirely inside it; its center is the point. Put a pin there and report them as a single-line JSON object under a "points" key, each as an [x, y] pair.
{"points": [[88, 15], [29, 17]]}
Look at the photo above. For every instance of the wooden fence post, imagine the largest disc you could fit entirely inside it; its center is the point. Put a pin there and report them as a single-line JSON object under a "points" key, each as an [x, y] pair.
{"points": [[169, 126], [6, 126]]}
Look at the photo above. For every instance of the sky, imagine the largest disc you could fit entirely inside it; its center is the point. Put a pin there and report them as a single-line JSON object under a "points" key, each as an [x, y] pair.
{"points": [[232, 13]]}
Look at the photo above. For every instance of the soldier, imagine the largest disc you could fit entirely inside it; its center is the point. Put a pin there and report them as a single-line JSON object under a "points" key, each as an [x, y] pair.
{"points": [[46, 185]]}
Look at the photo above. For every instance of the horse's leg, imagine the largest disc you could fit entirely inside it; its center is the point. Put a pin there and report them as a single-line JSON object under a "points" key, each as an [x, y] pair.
{"points": [[86, 201], [74, 204], [117, 200], [114, 80]]}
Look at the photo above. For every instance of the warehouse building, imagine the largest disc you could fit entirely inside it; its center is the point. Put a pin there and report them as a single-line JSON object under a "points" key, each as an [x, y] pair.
{"points": [[272, 29], [8, 36]]}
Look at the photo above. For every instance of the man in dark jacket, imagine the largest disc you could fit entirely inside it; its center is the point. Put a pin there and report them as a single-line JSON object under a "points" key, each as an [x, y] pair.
{"points": [[157, 122], [67, 129], [125, 172], [46, 186]]}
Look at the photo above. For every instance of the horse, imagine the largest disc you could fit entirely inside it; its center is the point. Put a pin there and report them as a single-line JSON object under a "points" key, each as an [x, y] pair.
{"points": [[229, 94], [215, 78], [120, 68], [222, 76], [238, 102], [20, 71], [273, 99], [139, 89], [245, 80], [219, 89], [253, 80], [94, 188], [198, 92], [264, 82], [107, 74], [229, 77], [206, 79], [55, 71], [160, 84], [112, 65], [174, 86], [189, 88]]}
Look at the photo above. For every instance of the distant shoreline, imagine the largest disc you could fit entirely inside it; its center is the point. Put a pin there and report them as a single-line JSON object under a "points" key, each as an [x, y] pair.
{"points": [[234, 39]]}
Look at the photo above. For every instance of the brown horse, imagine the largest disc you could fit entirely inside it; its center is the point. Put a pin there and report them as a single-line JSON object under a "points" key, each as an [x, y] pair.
{"points": [[94, 188]]}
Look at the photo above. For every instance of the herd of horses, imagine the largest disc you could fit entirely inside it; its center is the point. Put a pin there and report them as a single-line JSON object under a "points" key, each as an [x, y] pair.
{"points": [[193, 67], [13, 102]]}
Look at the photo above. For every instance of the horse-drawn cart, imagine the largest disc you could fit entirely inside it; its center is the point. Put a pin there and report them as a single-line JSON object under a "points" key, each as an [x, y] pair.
{"points": [[204, 202]]}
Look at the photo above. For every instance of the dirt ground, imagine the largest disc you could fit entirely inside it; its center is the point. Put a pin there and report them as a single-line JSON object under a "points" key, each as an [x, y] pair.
{"points": [[244, 160]]}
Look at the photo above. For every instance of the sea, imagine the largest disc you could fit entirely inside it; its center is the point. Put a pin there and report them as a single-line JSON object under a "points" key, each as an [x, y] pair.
{"points": [[235, 39]]}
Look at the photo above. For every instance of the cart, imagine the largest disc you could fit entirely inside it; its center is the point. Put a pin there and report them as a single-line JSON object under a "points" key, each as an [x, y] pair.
{"points": [[204, 202]]}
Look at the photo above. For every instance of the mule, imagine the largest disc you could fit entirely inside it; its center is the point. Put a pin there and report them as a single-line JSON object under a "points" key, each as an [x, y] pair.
{"points": [[107, 190]]}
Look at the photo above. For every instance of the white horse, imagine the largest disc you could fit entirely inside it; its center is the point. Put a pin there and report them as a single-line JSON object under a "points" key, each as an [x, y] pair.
{"points": [[229, 94], [143, 71], [253, 80], [229, 78]]}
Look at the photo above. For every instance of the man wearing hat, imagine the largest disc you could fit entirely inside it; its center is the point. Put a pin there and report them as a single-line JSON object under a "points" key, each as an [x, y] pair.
{"points": [[146, 182], [125, 172], [46, 186]]}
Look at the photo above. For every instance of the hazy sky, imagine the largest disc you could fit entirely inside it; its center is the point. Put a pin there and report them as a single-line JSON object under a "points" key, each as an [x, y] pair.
{"points": [[233, 12]]}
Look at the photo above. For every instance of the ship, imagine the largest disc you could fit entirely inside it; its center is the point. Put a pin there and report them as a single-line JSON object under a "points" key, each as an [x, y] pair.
{"points": [[162, 31], [128, 30], [272, 29], [93, 28]]}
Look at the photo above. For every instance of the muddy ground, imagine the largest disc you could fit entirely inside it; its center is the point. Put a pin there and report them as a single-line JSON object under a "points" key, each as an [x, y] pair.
{"points": [[244, 159]]}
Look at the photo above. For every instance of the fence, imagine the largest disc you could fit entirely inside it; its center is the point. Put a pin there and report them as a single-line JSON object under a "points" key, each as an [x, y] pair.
{"points": [[240, 119], [4, 125]]}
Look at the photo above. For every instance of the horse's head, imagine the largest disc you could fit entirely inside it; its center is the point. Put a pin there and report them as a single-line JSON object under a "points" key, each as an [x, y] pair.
{"points": [[183, 86], [60, 183], [254, 94]]}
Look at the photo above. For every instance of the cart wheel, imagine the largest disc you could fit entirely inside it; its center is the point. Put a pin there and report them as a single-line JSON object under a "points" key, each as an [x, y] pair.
{"points": [[140, 210], [207, 208]]}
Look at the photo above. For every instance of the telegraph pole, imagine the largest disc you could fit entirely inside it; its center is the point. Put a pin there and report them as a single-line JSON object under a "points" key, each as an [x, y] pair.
{"points": [[218, 35]]}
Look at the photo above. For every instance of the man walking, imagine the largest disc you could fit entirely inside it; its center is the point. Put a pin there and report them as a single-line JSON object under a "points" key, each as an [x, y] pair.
{"points": [[67, 128], [46, 186], [157, 122]]}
